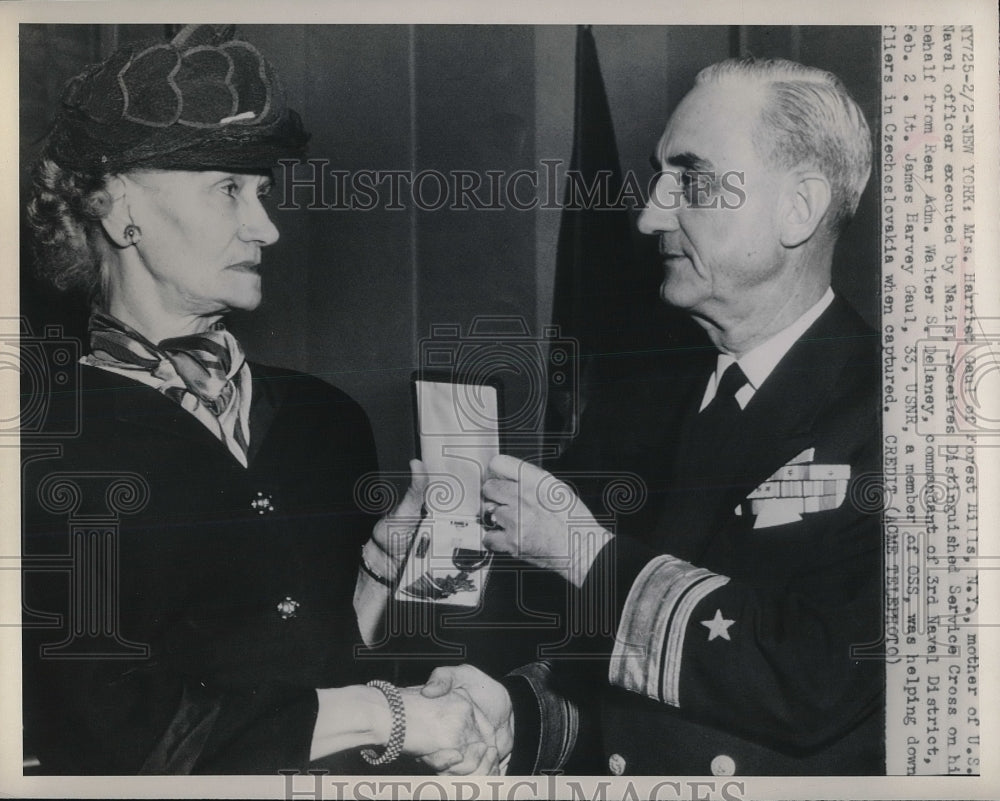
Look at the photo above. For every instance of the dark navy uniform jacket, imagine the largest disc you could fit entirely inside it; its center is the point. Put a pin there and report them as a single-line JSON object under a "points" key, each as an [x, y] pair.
{"points": [[223, 594], [743, 592]]}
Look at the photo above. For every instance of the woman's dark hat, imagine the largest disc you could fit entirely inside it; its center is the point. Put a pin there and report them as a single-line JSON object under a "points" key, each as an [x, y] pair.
{"points": [[201, 101]]}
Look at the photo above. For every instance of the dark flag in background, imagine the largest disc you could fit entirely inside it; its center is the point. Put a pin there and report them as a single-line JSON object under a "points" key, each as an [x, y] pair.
{"points": [[606, 290], [596, 288]]}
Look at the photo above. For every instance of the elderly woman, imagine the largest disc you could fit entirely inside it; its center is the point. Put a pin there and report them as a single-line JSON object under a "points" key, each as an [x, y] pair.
{"points": [[220, 573]]}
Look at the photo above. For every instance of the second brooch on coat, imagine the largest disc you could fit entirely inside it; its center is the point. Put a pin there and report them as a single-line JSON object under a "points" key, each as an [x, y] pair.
{"points": [[262, 503], [288, 607]]}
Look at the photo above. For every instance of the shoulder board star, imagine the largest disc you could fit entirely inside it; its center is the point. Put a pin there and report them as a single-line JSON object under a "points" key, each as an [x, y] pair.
{"points": [[718, 626]]}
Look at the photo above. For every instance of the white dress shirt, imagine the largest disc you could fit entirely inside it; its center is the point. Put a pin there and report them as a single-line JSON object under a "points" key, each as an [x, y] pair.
{"points": [[759, 363]]}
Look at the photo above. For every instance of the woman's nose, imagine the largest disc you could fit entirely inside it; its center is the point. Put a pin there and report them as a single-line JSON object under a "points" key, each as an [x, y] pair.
{"points": [[257, 225]]}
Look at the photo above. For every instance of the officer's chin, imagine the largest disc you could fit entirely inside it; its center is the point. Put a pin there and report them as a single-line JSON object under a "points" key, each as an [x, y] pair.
{"points": [[680, 294]]}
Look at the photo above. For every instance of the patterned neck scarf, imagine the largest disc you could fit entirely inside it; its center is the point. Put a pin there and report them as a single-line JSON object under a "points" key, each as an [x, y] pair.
{"points": [[200, 370]]}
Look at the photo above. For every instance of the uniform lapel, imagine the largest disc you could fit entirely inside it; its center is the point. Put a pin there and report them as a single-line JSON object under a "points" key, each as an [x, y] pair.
{"points": [[714, 474], [780, 417]]}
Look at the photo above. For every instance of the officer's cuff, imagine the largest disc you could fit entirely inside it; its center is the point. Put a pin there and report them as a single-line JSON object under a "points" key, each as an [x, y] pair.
{"points": [[587, 545], [606, 586], [547, 723], [649, 644]]}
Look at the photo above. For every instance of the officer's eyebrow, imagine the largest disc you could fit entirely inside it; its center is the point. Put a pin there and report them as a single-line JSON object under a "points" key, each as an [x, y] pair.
{"points": [[690, 161]]}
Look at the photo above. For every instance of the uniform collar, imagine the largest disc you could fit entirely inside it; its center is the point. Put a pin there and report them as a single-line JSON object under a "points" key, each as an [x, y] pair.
{"points": [[757, 364]]}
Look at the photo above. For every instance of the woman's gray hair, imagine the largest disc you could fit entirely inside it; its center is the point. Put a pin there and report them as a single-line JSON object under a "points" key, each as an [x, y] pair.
{"points": [[808, 119]]}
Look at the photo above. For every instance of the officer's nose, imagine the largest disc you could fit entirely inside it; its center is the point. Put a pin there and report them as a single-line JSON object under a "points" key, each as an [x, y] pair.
{"points": [[665, 198]]}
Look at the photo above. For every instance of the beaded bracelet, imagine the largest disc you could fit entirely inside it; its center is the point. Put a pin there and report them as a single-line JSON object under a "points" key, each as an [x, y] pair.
{"points": [[397, 732], [371, 571]]}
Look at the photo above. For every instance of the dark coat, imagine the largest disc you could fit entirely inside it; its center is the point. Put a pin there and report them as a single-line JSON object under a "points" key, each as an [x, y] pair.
{"points": [[210, 598], [774, 688]]}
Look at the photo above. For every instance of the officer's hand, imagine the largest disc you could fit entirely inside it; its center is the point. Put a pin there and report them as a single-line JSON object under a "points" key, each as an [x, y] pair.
{"points": [[539, 519], [448, 731], [490, 699]]}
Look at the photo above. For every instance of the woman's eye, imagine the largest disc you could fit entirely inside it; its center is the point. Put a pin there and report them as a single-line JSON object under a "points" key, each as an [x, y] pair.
{"points": [[230, 188]]}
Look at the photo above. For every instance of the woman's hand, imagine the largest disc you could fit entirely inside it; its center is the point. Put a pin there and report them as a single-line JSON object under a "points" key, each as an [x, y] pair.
{"points": [[394, 532], [384, 554]]}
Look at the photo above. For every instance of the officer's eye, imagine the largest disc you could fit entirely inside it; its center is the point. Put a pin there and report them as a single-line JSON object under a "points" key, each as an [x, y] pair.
{"points": [[698, 186]]}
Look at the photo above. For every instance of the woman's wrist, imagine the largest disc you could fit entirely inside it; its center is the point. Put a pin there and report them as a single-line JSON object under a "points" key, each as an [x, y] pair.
{"points": [[393, 745], [380, 716], [349, 717], [378, 564]]}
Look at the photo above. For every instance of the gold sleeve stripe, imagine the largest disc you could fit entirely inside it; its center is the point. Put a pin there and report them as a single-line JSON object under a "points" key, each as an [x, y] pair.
{"points": [[649, 646], [670, 677]]}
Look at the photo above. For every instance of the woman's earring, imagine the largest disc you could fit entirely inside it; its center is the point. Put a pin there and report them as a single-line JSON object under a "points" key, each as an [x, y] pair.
{"points": [[132, 234]]}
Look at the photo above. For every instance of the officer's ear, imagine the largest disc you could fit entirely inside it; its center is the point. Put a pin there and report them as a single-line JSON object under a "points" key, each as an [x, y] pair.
{"points": [[806, 202]]}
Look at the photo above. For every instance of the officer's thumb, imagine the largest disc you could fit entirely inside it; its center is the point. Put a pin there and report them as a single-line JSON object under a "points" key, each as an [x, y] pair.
{"points": [[438, 684]]}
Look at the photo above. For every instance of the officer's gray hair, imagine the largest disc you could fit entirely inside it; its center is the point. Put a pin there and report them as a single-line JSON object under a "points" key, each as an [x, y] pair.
{"points": [[810, 120]]}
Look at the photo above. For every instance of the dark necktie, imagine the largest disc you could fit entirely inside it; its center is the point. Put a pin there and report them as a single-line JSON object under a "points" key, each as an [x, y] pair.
{"points": [[707, 436], [707, 450], [724, 406]]}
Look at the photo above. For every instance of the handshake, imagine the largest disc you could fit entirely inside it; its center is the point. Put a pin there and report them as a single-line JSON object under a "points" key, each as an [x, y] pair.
{"points": [[460, 722]]}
